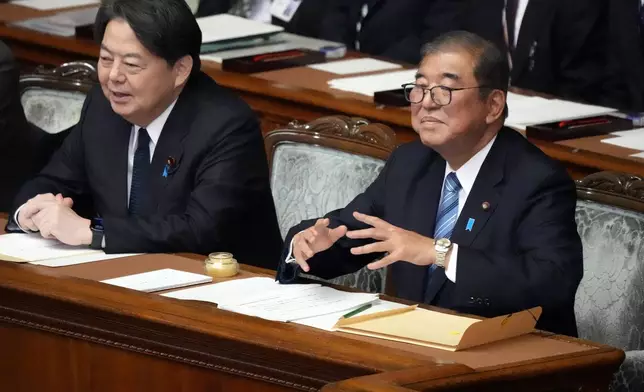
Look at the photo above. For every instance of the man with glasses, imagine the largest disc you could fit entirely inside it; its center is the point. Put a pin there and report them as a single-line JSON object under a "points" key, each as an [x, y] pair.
{"points": [[472, 217]]}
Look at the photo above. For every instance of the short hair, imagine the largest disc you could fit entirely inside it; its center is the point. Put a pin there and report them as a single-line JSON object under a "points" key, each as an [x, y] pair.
{"points": [[491, 66], [167, 28]]}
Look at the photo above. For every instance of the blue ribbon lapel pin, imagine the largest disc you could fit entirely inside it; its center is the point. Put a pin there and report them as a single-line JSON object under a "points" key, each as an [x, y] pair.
{"points": [[470, 224]]}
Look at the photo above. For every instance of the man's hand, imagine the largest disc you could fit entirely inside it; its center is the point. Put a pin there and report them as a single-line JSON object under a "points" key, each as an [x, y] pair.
{"points": [[315, 239], [399, 244], [37, 204], [61, 222]]}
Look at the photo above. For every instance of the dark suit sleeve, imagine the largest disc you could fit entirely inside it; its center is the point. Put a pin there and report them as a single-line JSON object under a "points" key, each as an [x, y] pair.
{"points": [[65, 172], [442, 16], [230, 180], [547, 267], [338, 260], [581, 31]]}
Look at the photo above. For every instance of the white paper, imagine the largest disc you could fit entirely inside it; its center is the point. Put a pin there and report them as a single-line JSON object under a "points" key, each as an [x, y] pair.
{"points": [[639, 132], [638, 155], [328, 321], [32, 247], [45, 5], [634, 142], [81, 259], [353, 66], [368, 85], [527, 110], [224, 27], [63, 24], [285, 9], [265, 298], [158, 280]]}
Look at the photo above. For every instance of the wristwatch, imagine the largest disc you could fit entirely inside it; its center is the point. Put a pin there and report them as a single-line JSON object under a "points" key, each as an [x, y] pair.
{"points": [[442, 246], [96, 226]]}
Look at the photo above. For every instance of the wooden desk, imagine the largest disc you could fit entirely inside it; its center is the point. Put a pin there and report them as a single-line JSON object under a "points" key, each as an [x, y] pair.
{"points": [[282, 96], [61, 330]]}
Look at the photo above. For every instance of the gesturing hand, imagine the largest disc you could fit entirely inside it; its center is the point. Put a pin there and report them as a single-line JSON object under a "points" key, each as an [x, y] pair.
{"points": [[399, 244], [315, 239]]}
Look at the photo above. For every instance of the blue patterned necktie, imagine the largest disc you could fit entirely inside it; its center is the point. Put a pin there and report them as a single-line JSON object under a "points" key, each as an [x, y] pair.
{"points": [[447, 210], [139, 173]]}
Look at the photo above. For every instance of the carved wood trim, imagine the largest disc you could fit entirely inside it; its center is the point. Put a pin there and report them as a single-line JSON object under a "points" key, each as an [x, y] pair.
{"points": [[613, 188], [72, 76], [350, 134]]}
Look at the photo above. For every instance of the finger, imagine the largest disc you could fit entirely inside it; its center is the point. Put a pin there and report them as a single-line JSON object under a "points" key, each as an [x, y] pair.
{"points": [[385, 261], [321, 223], [59, 198], [375, 247], [68, 202], [307, 236], [338, 233], [370, 220], [376, 234], [299, 258]]}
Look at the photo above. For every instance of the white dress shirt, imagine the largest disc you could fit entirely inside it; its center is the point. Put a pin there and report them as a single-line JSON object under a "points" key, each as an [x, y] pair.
{"points": [[466, 175], [154, 131], [521, 7]]}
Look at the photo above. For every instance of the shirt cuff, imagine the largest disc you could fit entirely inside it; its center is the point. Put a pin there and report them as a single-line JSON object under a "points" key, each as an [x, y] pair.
{"points": [[450, 272], [289, 258], [15, 219]]}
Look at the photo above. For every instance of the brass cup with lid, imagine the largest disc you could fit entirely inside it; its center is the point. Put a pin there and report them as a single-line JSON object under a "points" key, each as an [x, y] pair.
{"points": [[221, 265]]}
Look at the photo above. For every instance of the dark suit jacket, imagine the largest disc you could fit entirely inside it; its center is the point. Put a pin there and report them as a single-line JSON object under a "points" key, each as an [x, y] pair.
{"points": [[396, 29], [524, 251], [626, 56], [24, 148], [215, 198], [305, 21], [561, 45]]}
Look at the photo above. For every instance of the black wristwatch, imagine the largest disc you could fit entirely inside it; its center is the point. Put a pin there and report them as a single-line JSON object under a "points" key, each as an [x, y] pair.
{"points": [[96, 226]]}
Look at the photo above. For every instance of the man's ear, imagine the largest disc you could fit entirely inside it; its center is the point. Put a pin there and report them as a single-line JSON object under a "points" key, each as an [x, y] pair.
{"points": [[495, 106], [182, 69]]}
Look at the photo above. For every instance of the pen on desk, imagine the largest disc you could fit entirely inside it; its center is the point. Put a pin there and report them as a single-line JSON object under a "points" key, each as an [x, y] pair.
{"points": [[583, 122], [356, 311]]}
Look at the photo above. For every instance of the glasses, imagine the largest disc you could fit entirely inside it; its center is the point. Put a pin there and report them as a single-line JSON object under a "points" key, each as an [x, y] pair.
{"points": [[441, 95]]}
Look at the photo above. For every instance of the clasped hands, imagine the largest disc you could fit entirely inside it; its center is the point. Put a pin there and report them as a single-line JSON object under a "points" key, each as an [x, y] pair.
{"points": [[398, 244], [53, 217]]}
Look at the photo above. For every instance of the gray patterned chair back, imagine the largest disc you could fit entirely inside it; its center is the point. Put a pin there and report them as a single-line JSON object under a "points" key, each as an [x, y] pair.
{"points": [[53, 99], [320, 167], [610, 300]]}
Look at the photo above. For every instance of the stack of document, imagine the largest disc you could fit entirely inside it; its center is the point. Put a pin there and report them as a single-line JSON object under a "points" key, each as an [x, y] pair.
{"points": [[34, 249], [355, 66], [163, 279], [526, 110], [225, 28], [62, 24], [267, 299], [368, 85]]}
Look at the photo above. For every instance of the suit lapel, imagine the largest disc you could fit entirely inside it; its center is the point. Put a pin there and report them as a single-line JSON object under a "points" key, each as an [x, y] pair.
{"points": [[169, 148], [474, 216], [537, 18], [412, 279]]}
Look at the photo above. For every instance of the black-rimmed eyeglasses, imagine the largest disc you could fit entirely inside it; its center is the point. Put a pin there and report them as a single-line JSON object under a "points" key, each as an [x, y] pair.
{"points": [[441, 95]]}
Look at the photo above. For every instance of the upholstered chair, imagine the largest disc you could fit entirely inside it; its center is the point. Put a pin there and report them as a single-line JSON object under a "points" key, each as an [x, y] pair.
{"points": [[610, 301], [321, 166]]}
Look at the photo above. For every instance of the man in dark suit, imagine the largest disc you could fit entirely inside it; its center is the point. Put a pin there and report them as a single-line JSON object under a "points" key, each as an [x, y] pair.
{"points": [[171, 161], [395, 29], [626, 55], [24, 148], [305, 19], [472, 217], [556, 46]]}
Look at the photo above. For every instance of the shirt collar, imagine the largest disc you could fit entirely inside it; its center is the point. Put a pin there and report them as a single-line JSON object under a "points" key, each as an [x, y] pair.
{"points": [[467, 173], [156, 126]]}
